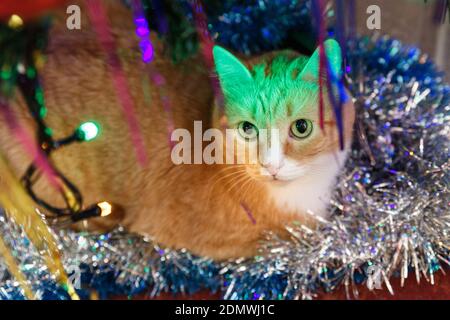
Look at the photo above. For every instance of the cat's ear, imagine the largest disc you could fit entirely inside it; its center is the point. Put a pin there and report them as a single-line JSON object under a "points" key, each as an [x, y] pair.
{"points": [[334, 57], [233, 75]]}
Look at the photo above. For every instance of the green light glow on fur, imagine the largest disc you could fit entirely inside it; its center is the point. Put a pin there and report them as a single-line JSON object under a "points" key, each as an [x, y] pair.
{"points": [[270, 90]]}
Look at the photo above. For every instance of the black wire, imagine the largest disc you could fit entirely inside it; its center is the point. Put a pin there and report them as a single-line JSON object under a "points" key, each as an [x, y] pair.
{"points": [[29, 86]]}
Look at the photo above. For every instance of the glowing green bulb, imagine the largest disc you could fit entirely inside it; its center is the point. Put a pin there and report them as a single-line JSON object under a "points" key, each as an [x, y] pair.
{"points": [[89, 130]]}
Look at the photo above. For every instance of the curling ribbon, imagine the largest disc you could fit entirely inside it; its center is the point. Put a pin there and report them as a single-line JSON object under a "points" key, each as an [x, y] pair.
{"points": [[99, 19], [21, 209]]}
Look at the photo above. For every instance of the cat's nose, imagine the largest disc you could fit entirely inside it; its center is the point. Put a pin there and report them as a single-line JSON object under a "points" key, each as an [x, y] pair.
{"points": [[273, 170]]}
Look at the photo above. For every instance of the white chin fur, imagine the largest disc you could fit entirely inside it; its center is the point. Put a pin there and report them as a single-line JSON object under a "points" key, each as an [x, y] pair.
{"points": [[312, 190]]}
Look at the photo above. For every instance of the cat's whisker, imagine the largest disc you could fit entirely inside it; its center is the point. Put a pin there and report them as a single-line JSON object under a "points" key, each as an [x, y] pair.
{"points": [[244, 203], [247, 184], [214, 180], [229, 184], [236, 181], [210, 189], [222, 170], [227, 175]]}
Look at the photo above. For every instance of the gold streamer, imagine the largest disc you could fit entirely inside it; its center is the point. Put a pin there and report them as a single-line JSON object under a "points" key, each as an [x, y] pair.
{"points": [[20, 207]]}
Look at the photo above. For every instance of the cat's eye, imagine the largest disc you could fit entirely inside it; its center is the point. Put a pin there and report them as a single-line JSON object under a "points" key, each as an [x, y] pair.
{"points": [[301, 128], [247, 130]]}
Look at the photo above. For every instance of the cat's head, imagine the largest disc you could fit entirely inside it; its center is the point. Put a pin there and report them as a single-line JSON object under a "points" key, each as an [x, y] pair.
{"points": [[272, 105]]}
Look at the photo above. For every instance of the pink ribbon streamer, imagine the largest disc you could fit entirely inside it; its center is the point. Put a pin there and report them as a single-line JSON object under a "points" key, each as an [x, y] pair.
{"points": [[147, 51], [207, 45], [99, 19], [29, 145]]}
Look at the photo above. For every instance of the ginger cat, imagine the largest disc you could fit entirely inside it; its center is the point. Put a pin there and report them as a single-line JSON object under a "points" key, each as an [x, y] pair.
{"points": [[216, 210]]}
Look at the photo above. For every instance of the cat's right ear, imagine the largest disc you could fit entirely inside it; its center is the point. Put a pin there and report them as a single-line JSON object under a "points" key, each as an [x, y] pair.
{"points": [[334, 56], [233, 75]]}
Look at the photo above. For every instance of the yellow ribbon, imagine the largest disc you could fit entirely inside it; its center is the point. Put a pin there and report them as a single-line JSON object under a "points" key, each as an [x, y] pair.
{"points": [[21, 209]]}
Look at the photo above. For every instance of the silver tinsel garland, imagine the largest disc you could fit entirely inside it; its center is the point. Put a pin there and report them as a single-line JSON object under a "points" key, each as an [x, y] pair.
{"points": [[391, 214]]}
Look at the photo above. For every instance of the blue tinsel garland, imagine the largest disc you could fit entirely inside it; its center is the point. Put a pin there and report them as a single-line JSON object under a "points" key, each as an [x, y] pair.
{"points": [[260, 26]]}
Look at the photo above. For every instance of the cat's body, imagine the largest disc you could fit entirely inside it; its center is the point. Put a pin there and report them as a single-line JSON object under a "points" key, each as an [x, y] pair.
{"points": [[213, 210]]}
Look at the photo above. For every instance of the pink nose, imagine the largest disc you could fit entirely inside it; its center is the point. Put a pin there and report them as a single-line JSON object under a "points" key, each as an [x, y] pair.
{"points": [[273, 170]]}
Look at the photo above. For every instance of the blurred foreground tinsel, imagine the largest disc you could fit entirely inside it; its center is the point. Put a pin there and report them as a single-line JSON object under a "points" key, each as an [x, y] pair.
{"points": [[391, 208]]}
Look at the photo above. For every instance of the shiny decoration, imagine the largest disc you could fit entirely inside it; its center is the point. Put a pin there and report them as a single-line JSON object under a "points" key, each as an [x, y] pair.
{"points": [[142, 31], [259, 26], [105, 208], [15, 22], [248, 27], [88, 130], [390, 208]]}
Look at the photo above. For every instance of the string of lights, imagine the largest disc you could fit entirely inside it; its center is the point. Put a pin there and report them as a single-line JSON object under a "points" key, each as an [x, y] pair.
{"points": [[22, 47]]}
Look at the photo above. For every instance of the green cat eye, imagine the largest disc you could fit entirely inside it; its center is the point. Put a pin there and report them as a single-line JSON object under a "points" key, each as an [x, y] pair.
{"points": [[301, 128], [247, 130]]}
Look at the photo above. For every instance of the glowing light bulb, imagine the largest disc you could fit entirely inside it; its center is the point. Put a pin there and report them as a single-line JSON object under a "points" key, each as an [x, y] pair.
{"points": [[89, 130], [15, 21], [105, 208]]}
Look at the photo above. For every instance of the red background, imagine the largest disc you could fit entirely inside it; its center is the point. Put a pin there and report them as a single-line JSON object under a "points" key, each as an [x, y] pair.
{"points": [[410, 291], [26, 9]]}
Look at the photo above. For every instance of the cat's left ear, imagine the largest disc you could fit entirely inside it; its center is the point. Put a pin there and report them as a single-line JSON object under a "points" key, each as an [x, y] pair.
{"points": [[233, 75], [334, 57]]}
